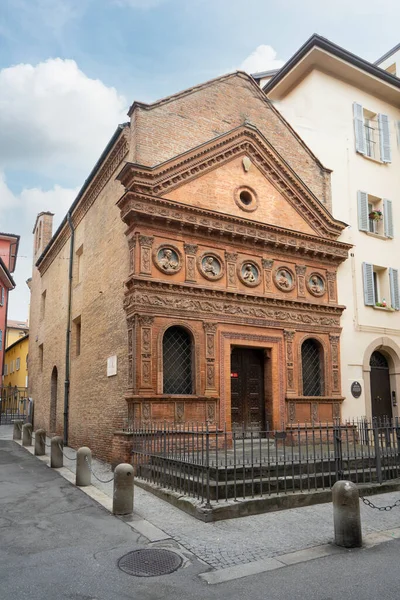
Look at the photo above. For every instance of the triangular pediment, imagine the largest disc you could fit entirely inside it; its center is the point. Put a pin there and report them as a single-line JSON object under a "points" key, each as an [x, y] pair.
{"points": [[239, 188], [212, 175]]}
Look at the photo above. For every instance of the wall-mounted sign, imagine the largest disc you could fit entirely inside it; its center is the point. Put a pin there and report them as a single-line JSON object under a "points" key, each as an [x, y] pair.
{"points": [[356, 389], [111, 366]]}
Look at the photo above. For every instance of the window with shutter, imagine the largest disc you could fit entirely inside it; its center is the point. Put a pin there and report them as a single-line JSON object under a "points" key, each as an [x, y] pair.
{"points": [[369, 291], [359, 130], [394, 288], [363, 211], [388, 217], [384, 138]]}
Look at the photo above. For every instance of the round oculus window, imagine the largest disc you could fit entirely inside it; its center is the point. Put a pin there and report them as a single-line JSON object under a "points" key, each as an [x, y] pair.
{"points": [[246, 199]]}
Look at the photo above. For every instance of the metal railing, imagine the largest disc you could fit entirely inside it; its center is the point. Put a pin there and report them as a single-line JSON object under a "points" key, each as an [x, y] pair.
{"points": [[216, 465], [13, 404]]}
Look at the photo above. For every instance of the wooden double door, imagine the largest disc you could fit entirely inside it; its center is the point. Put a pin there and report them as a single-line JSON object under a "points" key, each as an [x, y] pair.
{"points": [[247, 389]]}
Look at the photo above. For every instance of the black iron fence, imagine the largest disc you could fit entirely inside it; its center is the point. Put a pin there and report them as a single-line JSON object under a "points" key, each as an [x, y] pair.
{"points": [[219, 465], [14, 404]]}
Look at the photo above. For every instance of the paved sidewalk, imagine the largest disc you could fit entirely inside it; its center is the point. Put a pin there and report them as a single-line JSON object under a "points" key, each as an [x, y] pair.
{"points": [[244, 540]]}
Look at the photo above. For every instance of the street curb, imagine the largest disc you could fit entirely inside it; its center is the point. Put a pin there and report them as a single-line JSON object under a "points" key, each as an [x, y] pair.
{"points": [[134, 521], [232, 509]]}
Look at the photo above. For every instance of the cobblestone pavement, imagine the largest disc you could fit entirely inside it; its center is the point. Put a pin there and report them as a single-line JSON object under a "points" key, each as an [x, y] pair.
{"points": [[238, 541]]}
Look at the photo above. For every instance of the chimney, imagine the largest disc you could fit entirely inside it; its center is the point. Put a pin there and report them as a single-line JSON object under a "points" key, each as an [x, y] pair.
{"points": [[42, 233]]}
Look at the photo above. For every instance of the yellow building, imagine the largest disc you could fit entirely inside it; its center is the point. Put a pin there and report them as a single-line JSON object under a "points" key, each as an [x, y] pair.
{"points": [[16, 363], [15, 331]]}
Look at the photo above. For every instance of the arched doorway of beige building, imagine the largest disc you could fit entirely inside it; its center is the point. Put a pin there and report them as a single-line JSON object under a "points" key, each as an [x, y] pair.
{"points": [[381, 371], [53, 399]]}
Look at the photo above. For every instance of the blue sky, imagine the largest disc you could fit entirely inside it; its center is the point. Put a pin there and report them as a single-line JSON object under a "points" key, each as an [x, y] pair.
{"points": [[70, 68]]}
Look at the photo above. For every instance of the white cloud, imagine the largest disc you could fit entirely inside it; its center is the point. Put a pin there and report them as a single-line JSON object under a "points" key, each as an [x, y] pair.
{"points": [[17, 215], [55, 119], [262, 59]]}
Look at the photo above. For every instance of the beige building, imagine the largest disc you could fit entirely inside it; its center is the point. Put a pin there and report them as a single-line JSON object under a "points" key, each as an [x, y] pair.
{"points": [[347, 111]]}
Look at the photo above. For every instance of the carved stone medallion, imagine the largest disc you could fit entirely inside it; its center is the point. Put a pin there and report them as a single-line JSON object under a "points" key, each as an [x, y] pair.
{"points": [[249, 273], [210, 266], [316, 284], [284, 279], [167, 259]]}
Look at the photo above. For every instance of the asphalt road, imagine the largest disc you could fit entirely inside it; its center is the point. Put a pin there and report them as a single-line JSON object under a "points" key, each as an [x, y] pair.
{"points": [[57, 543]]}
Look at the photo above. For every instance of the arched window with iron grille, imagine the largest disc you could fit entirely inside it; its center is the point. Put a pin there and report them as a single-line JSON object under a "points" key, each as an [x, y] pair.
{"points": [[177, 361], [312, 368]]}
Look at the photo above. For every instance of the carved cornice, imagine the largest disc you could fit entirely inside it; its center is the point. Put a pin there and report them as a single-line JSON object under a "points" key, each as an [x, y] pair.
{"points": [[101, 178], [244, 140], [229, 306], [204, 222]]}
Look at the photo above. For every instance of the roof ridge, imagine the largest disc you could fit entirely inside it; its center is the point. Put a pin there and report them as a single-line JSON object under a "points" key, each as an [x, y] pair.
{"points": [[186, 91]]}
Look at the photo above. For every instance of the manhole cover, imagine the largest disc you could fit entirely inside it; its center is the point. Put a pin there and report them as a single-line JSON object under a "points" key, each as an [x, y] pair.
{"points": [[149, 563]]}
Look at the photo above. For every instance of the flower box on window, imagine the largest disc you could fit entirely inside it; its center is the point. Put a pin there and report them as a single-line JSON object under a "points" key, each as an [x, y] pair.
{"points": [[376, 215]]}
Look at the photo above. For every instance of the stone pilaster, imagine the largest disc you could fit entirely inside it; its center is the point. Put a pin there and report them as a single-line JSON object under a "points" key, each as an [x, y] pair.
{"points": [[331, 278], [289, 337], [267, 265], [231, 277], [210, 330], [190, 262], [301, 280], [146, 242], [145, 323]]}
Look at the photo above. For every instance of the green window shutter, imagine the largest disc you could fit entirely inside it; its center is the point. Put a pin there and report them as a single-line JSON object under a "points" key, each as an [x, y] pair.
{"points": [[384, 138], [362, 199], [394, 288], [369, 292], [359, 129], [388, 218]]}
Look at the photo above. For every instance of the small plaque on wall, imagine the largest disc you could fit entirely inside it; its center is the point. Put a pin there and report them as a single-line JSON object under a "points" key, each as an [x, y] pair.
{"points": [[356, 389], [111, 366]]}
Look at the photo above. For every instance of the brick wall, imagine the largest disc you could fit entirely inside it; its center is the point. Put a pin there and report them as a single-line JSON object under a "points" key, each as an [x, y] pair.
{"points": [[163, 131]]}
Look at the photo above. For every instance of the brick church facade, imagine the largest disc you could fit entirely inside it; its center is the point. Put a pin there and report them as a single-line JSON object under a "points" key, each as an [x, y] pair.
{"points": [[205, 260]]}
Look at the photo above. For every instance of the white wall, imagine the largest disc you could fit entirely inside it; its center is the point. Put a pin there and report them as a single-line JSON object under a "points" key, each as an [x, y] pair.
{"points": [[320, 109]]}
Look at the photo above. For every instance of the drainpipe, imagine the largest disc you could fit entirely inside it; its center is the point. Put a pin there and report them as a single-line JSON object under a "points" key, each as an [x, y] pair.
{"points": [[68, 332]]}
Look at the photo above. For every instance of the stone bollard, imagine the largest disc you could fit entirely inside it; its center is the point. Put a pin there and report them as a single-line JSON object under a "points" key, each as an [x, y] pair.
{"points": [[27, 434], [40, 442], [123, 490], [17, 430], [346, 514], [56, 455], [83, 464]]}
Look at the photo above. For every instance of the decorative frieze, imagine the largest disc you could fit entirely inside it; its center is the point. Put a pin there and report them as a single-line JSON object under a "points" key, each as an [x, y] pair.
{"points": [[196, 220], [258, 311]]}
